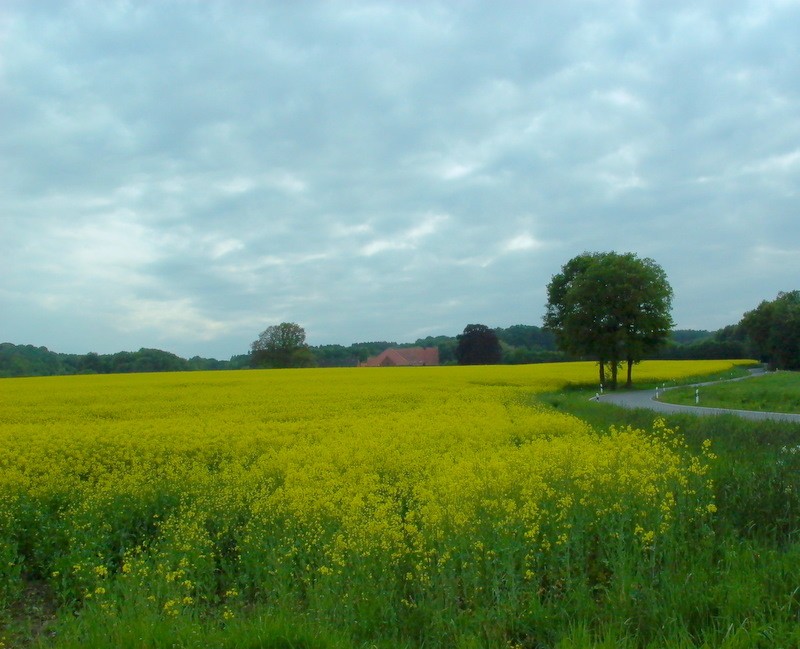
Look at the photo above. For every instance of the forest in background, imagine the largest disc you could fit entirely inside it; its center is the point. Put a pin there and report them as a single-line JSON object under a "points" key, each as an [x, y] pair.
{"points": [[520, 344]]}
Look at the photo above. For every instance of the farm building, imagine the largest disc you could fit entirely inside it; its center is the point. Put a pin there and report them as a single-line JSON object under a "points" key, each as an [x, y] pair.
{"points": [[405, 356]]}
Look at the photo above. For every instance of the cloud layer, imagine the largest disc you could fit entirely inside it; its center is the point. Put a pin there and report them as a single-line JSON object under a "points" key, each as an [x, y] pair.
{"points": [[182, 175]]}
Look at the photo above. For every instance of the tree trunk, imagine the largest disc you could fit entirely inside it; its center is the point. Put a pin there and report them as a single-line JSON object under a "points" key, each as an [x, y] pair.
{"points": [[602, 372], [614, 367], [629, 382]]}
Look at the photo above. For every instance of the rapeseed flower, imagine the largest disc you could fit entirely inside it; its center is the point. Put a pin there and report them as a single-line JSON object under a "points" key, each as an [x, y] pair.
{"points": [[442, 482]]}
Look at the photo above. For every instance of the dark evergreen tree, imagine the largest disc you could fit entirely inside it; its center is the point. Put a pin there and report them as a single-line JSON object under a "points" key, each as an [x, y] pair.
{"points": [[478, 345]]}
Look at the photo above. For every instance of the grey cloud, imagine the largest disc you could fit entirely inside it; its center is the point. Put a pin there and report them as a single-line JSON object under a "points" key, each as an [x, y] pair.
{"points": [[341, 164]]}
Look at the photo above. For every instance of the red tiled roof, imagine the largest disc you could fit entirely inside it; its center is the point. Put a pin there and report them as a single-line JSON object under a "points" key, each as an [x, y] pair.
{"points": [[404, 356]]}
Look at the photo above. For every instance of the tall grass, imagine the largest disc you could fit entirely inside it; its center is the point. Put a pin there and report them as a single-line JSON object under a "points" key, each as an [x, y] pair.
{"points": [[741, 587]]}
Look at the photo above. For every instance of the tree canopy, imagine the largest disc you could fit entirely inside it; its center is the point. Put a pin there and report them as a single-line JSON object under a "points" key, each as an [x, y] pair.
{"points": [[609, 306], [773, 329], [280, 346], [27, 360], [478, 345]]}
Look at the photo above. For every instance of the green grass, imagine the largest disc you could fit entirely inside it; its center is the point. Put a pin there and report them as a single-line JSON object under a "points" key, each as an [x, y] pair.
{"points": [[736, 372], [136, 627], [742, 588], [777, 392]]}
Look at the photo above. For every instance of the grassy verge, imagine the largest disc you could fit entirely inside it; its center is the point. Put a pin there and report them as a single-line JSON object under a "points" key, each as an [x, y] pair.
{"points": [[778, 392], [743, 588], [736, 372]]}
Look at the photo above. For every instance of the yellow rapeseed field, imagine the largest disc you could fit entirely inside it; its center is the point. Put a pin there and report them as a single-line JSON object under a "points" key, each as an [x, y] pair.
{"points": [[342, 491]]}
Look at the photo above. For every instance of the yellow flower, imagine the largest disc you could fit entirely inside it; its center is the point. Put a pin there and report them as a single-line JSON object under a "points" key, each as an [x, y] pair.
{"points": [[330, 472]]}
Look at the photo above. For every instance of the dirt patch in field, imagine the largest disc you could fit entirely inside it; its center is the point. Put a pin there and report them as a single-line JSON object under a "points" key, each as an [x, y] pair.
{"points": [[33, 615]]}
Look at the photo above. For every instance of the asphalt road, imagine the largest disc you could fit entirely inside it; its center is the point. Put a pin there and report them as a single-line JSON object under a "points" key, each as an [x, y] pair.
{"points": [[646, 399]]}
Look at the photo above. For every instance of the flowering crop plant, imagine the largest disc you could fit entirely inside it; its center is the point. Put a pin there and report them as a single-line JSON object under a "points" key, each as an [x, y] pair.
{"points": [[374, 498]]}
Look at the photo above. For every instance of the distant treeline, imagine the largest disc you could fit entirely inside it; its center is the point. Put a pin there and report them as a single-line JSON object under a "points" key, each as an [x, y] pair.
{"points": [[531, 344], [690, 344], [28, 360], [520, 344]]}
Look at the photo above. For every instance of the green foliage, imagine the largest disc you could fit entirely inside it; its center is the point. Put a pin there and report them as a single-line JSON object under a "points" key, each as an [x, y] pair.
{"points": [[139, 624], [778, 392], [478, 345], [519, 344], [689, 336], [729, 342], [740, 589], [773, 329], [446, 345], [238, 362], [609, 306], [528, 336], [707, 349], [27, 360], [281, 346], [756, 474], [334, 356], [341, 356]]}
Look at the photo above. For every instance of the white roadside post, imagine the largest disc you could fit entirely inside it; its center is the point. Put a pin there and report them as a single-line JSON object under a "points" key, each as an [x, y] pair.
{"points": [[697, 396], [656, 393]]}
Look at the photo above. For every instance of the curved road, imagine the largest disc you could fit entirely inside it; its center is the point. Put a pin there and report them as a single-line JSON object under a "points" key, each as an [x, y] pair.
{"points": [[646, 399]]}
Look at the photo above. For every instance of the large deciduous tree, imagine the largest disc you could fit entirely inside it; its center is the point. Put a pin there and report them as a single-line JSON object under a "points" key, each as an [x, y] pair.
{"points": [[478, 345], [610, 306], [773, 329], [282, 345]]}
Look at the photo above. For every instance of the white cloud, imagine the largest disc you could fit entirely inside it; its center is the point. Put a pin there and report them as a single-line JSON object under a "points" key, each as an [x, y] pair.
{"points": [[382, 245], [194, 170], [776, 164], [407, 240], [179, 317], [346, 230], [781, 259], [106, 246], [622, 98], [431, 224], [522, 242], [286, 181], [456, 170], [238, 185], [223, 247]]}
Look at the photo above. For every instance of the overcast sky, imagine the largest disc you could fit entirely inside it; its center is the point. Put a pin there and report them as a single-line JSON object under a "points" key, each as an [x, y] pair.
{"points": [[182, 175]]}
